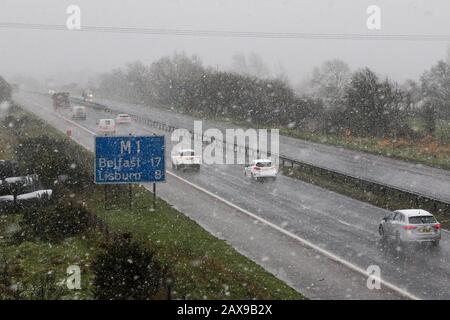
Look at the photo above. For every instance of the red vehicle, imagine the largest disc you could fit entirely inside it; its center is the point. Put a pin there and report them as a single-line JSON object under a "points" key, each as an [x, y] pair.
{"points": [[61, 100]]}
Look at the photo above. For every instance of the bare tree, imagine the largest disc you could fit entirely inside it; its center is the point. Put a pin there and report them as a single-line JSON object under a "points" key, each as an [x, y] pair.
{"points": [[253, 66], [436, 87], [328, 81]]}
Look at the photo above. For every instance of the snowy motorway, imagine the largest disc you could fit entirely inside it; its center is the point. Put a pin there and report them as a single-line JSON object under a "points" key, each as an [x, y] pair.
{"points": [[290, 216], [416, 178]]}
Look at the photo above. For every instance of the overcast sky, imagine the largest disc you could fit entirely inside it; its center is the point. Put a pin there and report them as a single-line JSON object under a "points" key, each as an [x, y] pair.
{"points": [[69, 54]]}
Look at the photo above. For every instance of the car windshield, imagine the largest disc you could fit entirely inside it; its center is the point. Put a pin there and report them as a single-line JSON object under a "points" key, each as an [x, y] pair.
{"points": [[422, 220], [263, 164], [187, 153]]}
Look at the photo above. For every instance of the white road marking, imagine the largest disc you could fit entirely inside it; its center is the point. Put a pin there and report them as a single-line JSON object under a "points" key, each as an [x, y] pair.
{"points": [[76, 124], [285, 232]]}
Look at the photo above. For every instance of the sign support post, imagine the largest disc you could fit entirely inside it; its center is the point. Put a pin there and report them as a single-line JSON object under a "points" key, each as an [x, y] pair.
{"points": [[154, 195], [130, 195]]}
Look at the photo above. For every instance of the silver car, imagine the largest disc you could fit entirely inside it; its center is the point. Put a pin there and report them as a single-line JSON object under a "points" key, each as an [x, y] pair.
{"points": [[412, 225]]}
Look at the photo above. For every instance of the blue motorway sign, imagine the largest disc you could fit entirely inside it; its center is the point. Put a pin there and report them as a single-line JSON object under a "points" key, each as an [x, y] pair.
{"points": [[129, 159]]}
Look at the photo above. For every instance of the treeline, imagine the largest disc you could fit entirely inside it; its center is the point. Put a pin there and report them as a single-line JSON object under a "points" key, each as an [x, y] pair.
{"points": [[337, 100], [183, 83]]}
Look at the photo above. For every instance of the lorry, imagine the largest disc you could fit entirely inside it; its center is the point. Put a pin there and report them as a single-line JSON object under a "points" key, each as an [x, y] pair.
{"points": [[87, 96], [61, 100]]}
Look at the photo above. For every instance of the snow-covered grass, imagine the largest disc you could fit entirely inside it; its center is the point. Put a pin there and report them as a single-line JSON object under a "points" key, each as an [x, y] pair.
{"points": [[37, 270], [7, 142]]}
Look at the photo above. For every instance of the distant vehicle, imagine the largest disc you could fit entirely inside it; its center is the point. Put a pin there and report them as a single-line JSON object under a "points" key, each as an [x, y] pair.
{"points": [[261, 169], [411, 225], [22, 189], [7, 198], [185, 159], [30, 181], [87, 95], [79, 112], [123, 118], [51, 92], [61, 100], [105, 126], [35, 195]]}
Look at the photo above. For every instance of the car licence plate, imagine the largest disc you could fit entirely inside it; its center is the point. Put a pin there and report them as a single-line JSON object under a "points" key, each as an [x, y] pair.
{"points": [[425, 230]]}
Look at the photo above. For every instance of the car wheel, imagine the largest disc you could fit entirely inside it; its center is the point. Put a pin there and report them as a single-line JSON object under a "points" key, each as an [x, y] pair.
{"points": [[383, 235], [381, 231]]}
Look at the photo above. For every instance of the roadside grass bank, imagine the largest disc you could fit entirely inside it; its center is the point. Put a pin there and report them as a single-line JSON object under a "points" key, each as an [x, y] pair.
{"points": [[37, 270], [7, 142], [199, 265], [203, 266]]}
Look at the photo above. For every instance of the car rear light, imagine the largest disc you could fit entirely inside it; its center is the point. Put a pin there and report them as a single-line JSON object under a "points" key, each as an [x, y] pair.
{"points": [[257, 168], [437, 226], [409, 227]]}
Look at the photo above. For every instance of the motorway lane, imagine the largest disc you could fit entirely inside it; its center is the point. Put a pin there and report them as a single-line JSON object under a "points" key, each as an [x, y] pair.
{"points": [[339, 224], [425, 180]]}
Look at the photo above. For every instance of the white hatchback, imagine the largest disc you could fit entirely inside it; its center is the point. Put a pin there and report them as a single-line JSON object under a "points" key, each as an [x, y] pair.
{"points": [[184, 159], [79, 112], [106, 126], [260, 169], [410, 225]]}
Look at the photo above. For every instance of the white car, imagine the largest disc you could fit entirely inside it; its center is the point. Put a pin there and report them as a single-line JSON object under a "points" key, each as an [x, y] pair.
{"points": [[123, 118], [79, 112], [105, 126], [185, 159], [261, 169], [410, 225]]}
